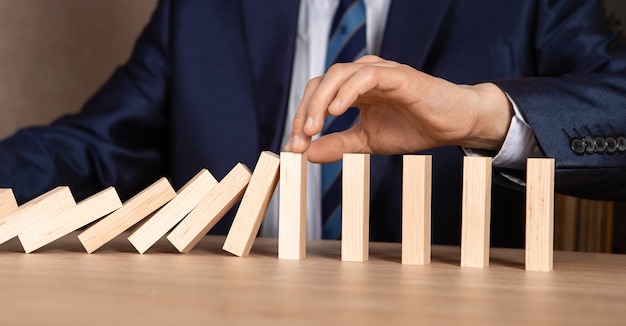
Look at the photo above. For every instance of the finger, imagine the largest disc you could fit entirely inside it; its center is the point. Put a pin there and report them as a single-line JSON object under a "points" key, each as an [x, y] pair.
{"points": [[299, 138], [331, 147]]}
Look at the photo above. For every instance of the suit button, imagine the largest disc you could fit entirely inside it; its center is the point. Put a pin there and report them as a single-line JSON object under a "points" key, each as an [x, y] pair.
{"points": [[611, 145], [621, 144], [600, 144], [590, 144], [577, 146]]}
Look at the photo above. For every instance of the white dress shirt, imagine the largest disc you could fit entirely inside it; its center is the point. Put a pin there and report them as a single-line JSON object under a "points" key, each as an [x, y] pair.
{"points": [[314, 20]]}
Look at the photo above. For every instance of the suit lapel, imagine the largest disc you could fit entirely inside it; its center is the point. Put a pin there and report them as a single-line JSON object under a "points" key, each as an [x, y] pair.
{"points": [[411, 30], [270, 32]]}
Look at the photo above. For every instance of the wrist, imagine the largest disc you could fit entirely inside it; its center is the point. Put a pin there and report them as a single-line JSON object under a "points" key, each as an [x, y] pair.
{"points": [[493, 113]]}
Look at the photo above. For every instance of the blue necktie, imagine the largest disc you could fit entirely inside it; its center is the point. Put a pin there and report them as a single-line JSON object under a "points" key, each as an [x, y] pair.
{"points": [[346, 43]]}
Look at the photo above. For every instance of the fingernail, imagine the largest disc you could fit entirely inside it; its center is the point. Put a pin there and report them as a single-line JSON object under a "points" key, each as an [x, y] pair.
{"points": [[295, 141], [335, 104], [309, 123]]}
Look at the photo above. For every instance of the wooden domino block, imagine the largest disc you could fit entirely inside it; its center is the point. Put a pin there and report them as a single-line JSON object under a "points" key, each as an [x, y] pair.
{"points": [[416, 209], [32, 212], [211, 208], [476, 213], [355, 190], [539, 214], [166, 218], [133, 211], [253, 206], [88, 210], [8, 204], [292, 206]]}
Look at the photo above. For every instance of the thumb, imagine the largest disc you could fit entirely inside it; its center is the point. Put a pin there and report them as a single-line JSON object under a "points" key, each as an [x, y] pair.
{"points": [[331, 147]]}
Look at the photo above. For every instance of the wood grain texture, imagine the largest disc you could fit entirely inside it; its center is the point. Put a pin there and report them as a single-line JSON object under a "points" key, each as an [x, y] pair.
{"points": [[54, 227], [211, 209], [253, 205], [134, 210], [187, 198], [53, 202], [61, 283], [292, 206], [476, 213], [355, 204], [416, 209], [8, 204], [539, 214]]}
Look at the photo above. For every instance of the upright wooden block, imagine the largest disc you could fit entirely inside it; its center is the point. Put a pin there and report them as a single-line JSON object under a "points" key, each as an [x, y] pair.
{"points": [[49, 229], [292, 206], [8, 204], [355, 205], [133, 211], [187, 198], [211, 208], [476, 214], [47, 205], [539, 214], [253, 206], [416, 209]]}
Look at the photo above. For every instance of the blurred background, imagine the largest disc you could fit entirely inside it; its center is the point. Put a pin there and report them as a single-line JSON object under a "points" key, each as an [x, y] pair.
{"points": [[55, 54]]}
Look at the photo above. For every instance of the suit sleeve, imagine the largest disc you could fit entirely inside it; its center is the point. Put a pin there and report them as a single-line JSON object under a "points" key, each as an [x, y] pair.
{"points": [[119, 137], [578, 96]]}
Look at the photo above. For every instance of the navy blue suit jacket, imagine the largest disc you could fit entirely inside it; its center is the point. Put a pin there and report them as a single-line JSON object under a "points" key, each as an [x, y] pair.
{"points": [[208, 82]]}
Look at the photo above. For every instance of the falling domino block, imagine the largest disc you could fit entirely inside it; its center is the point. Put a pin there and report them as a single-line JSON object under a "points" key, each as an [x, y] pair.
{"points": [[476, 212], [211, 208], [53, 202], [253, 206], [539, 214], [8, 204], [416, 209], [133, 211], [355, 207], [85, 212], [165, 219], [292, 206]]}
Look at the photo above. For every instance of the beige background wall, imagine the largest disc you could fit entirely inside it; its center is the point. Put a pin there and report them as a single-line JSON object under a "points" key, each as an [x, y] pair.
{"points": [[56, 53]]}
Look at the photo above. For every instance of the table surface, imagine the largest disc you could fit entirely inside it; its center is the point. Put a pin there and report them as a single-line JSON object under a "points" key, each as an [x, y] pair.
{"points": [[62, 284]]}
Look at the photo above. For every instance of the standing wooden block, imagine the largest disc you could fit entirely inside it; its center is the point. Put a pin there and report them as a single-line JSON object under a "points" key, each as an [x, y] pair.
{"points": [[211, 208], [133, 211], [476, 214], [292, 206], [416, 209], [539, 214], [50, 229], [355, 206], [187, 198], [253, 206], [47, 205], [8, 204]]}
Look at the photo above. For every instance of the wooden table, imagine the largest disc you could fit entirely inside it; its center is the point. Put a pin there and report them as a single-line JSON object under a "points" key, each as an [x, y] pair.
{"points": [[61, 284]]}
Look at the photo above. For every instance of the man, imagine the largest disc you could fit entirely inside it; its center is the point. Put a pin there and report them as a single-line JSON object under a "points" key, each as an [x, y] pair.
{"points": [[209, 82]]}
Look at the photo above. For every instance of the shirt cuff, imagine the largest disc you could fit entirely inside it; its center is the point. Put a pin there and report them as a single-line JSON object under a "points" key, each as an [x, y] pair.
{"points": [[519, 144]]}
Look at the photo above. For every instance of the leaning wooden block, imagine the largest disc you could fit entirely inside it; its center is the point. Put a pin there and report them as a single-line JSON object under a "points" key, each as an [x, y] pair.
{"points": [[165, 219], [53, 228], [210, 210], [292, 206], [47, 205], [355, 190], [416, 209], [133, 211], [476, 215], [539, 214], [8, 204], [253, 206]]}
